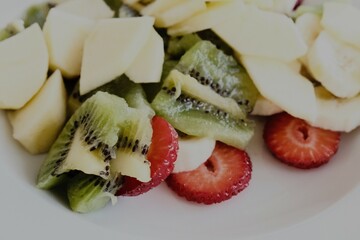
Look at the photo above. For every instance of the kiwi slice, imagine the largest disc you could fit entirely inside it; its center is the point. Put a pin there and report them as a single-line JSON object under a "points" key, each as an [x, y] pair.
{"points": [[177, 46], [220, 72], [196, 110], [11, 29], [86, 142], [122, 87], [37, 13], [87, 193]]}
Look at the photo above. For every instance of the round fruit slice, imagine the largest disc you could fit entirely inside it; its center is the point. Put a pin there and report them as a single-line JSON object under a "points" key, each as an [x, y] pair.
{"points": [[226, 173], [298, 144], [162, 155]]}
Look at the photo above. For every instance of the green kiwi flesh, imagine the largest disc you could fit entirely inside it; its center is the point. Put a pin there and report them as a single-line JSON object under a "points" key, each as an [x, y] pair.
{"points": [[179, 103], [86, 142], [88, 193], [37, 13], [177, 46]]}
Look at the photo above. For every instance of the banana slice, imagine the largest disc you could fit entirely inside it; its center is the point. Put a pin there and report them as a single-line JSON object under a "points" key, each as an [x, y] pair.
{"points": [[336, 65]]}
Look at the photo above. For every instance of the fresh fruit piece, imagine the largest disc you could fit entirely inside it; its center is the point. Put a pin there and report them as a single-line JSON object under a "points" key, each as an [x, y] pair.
{"points": [[12, 29], [339, 18], [65, 36], [226, 173], [177, 46], [147, 66], [220, 73], [316, 9], [264, 107], [336, 114], [37, 13], [280, 6], [335, 65], [39, 122], [158, 6], [86, 142], [261, 33], [113, 44], [196, 110], [20, 82], [94, 9], [296, 143], [162, 155], [204, 19], [280, 84], [88, 193], [193, 151]]}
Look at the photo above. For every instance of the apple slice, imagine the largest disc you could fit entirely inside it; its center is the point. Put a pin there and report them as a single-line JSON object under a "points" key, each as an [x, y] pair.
{"points": [[264, 107], [111, 48], [255, 32], [336, 114], [94, 9], [65, 36], [281, 6], [158, 6], [39, 122], [280, 84], [147, 67], [341, 20], [23, 67]]}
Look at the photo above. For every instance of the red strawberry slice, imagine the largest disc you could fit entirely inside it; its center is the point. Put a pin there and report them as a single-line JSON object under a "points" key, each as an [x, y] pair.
{"points": [[296, 143], [226, 173], [162, 155]]}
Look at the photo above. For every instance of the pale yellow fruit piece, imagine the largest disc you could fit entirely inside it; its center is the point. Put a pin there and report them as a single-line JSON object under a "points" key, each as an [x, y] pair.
{"points": [[264, 107], [279, 83], [193, 151], [23, 67], [255, 32], [181, 11], [111, 48], [341, 19], [159, 6], [335, 65], [94, 9], [65, 36], [336, 114], [147, 67], [39, 122]]}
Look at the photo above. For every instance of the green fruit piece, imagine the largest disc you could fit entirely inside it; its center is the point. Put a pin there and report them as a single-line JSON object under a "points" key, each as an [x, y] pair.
{"points": [[11, 29], [177, 46], [88, 193], [219, 72], [86, 142], [196, 110], [37, 14]]}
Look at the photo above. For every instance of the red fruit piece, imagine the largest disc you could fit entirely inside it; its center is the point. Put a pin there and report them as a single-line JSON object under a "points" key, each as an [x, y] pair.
{"points": [[226, 173], [162, 155], [296, 143]]}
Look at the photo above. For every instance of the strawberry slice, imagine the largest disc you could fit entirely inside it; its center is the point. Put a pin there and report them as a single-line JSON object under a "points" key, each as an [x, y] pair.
{"points": [[162, 155], [296, 143], [226, 173]]}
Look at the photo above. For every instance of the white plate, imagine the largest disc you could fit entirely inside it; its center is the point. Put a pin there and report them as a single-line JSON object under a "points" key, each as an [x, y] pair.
{"points": [[280, 203]]}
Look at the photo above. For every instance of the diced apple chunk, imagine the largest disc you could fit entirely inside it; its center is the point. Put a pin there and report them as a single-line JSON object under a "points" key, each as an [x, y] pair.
{"points": [[94, 9], [342, 20], [114, 45], [65, 36], [23, 67], [254, 32], [147, 67], [264, 107], [280, 84], [39, 122]]}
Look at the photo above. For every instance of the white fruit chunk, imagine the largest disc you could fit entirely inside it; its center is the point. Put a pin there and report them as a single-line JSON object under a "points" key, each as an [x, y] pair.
{"points": [[65, 36], [336, 65], [283, 86], [111, 48], [264, 107], [181, 11], [205, 19], [94, 9], [147, 67], [281, 6], [342, 20], [158, 6], [336, 114], [260, 33], [23, 67], [193, 151], [39, 122]]}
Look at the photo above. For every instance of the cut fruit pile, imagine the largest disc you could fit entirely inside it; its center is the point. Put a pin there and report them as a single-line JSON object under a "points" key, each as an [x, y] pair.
{"points": [[125, 95]]}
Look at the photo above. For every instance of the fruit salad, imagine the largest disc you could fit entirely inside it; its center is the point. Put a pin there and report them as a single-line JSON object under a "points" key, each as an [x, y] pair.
{"points": [[122, 96]]}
